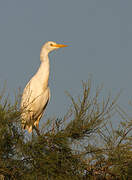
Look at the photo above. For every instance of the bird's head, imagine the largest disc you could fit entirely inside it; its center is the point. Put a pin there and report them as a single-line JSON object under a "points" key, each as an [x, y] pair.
{"points": [[50, 46]]}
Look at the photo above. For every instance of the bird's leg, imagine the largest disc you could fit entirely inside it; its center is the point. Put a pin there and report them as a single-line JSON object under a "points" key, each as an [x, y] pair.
{"points": [[36, 124], [37, 130], [37, 121]]}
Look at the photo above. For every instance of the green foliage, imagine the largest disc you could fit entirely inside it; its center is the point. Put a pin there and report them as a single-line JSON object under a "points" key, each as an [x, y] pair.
{"points": [[81, 145]]}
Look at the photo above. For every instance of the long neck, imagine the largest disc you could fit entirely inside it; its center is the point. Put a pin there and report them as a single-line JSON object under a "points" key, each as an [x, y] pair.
{"points": [[44, 70]]}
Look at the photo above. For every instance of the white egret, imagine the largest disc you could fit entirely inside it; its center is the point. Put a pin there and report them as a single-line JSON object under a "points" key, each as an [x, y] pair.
{"points": [[37, 93]]}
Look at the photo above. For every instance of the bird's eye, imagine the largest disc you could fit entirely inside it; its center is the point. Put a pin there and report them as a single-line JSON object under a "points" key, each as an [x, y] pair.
{"points": [[51, 44]]}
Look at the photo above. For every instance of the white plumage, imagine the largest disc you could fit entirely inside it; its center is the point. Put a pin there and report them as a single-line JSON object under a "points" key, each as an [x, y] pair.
{"points": [[37, 93]]}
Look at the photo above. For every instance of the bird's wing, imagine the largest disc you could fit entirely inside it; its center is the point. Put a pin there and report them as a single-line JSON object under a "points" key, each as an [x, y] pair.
{"points": [[34, 103]]}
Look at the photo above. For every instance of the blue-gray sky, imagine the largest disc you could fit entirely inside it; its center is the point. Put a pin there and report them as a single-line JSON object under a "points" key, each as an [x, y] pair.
{"points": [[99, 34]]}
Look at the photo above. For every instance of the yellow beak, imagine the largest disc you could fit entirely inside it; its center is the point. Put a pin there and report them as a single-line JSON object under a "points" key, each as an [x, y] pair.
{"points": [[59, 45]]}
